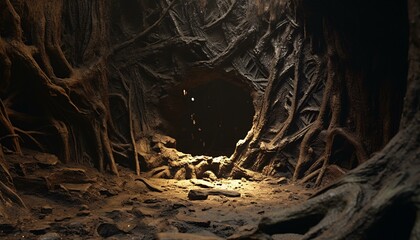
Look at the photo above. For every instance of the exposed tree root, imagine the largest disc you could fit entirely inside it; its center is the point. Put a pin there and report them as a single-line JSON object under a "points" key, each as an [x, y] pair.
{"points": [[377, 200], [338, 211], [6, 185], [8, 129], [98, 80], [316, 126], [29, 134], [146, 31], [11, 194], [294, 98], [359, 150], [222, 17]]}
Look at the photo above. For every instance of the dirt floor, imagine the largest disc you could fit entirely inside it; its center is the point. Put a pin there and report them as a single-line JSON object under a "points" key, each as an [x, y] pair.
{"points": [[76, 202]]}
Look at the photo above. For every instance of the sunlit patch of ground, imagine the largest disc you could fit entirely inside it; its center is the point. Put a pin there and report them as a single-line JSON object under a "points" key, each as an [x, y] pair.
{"points": [[105, 206]]}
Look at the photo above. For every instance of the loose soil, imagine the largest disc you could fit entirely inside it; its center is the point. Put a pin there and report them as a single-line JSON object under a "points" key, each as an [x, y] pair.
{"points": [[78, 202]]}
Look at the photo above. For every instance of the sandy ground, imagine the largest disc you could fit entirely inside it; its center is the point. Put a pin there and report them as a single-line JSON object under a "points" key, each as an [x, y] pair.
{"points": [[104, 206]]}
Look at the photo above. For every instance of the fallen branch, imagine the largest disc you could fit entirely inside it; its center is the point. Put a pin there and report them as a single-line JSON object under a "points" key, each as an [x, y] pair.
{"points": [[149, 185]]}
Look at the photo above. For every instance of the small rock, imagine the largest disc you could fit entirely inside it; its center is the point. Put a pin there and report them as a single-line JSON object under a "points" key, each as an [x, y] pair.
{"points": [[210, 175], [126, 227], [50, 236], [6, 228], [83, 213], [83, 207], [184, 236], [62, 219], [46, 209], [282, 181], [193, 220], [202, 183], [107, 229], [46, 159], [197, 195], [141, 212], [82, 188]]}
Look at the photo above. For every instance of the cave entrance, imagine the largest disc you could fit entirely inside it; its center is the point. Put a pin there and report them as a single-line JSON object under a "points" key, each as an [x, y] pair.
{"points": [[208, 116]]}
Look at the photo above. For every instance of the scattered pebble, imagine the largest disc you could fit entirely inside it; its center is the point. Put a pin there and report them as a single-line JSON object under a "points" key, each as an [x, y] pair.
{"points": [[50, 236], [83, 207], [141, 214], [197, 195], [83, 213], [46, 209], [107, 229]]}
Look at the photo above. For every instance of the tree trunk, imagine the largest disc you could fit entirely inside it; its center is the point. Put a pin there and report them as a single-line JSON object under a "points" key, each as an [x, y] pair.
{"points": [[377, 200], [102, 83]]}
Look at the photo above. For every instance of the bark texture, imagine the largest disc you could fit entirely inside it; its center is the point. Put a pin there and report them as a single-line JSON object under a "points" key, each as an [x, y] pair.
{"points": [[92, 82], [344, 82], [377, 200], [100, 82]]}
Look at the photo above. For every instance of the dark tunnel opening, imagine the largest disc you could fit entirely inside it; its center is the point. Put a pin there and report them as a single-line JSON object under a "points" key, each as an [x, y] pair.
{"points": [[208, 118]]}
